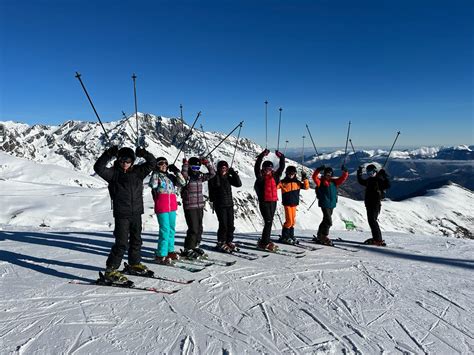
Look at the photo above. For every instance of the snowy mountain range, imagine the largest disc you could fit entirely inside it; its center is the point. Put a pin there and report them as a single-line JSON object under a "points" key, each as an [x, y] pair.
{"points": [[51, 166]]}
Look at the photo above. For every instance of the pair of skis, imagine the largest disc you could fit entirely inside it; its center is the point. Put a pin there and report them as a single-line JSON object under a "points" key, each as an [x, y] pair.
{"points": [[237, 253], [280, 251]]}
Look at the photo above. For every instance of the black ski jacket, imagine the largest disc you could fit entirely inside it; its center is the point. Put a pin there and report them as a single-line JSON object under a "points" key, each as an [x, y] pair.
{"points": [[220, 188], [125, 188], [374, 187]]}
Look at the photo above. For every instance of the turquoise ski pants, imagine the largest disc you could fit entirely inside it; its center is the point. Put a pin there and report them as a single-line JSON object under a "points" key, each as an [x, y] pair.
{"points": [[167, 222]]}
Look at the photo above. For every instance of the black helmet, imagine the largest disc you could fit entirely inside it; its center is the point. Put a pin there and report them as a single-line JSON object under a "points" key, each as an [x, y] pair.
{"points": [[267, 164], [290, 170], [371, 168], [125, 153], [194, 161], [328, 170], [222, 163]]}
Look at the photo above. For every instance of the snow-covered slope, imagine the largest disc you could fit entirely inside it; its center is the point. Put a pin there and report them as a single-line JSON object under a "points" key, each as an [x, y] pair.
{"points": [[413, 297], [36, 194]]}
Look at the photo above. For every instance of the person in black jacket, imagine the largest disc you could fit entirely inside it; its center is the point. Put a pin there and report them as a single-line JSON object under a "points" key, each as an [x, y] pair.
{"points": [[220, 195], [126, 191], [375, 186], [266, 188]]}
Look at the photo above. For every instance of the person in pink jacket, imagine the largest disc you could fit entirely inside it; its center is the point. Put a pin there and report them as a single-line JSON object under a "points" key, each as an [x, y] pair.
{"points": [[163, 186]]}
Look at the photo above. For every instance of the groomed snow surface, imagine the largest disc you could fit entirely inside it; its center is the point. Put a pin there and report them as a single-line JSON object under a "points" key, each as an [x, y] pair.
{"points": [[414, 296]]}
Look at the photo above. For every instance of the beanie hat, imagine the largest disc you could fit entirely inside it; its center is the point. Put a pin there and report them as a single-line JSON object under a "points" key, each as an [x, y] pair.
{"points": [[267, 164], [290, 170], [221, 164], [126, 153], [161, 159], [371, 167], [328, 170], [194, 161]]}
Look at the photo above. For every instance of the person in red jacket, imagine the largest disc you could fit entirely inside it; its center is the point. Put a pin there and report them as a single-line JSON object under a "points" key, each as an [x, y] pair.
{"points": [[326, 191], [266, 188]]}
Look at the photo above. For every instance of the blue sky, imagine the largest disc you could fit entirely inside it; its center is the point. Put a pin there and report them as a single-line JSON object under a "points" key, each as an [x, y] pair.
{"points": [[383, 65]]}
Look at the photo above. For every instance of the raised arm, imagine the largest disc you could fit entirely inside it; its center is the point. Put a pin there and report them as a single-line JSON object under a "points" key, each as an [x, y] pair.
{"points": [[100, 166]]}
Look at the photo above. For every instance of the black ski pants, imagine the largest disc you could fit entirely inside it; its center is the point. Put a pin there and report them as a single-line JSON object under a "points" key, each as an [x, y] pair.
{"points": [[326, 223], [373, 212], [194, 233], [127, 233], [267, 209], [225, 216]]}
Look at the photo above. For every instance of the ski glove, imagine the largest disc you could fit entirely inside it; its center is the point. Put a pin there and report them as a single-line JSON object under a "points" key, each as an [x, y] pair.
{"points": [[204, 161], [233, 172], [322, 167], [343, 168], [303, 175], [278, 154], [185, 161], [112, 151], [140, 152], [265, 152], [173, 168]]}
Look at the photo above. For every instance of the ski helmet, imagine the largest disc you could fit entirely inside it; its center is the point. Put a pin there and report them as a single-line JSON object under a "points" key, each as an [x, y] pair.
{"points": [[125, 153], [290, 170], [221, 164], [194, 161], [371, 168], [267, 164], [328, 170]]}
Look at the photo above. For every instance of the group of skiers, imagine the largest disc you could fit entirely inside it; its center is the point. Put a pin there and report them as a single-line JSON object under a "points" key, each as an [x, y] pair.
{"points": [[125, 184]]}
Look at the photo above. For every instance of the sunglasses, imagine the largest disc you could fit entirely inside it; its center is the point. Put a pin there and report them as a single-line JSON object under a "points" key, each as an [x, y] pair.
{"points": [[163, 162], [125, 160]]}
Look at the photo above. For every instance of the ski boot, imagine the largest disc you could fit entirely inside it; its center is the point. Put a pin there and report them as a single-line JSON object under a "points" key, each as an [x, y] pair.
{"points": [[292, 235], [324, 240], [189, 254], [138, 269], [232, 247], [114, 276], [223, 247], [163, 260], [267, 246], [173, 255], [379, 243], [201, 253]]}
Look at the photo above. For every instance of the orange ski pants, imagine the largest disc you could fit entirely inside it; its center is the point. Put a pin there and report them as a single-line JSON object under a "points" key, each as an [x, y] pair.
{"points": [[290, 216]]}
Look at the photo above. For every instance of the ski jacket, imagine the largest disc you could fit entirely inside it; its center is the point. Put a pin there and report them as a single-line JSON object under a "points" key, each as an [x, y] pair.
{"points": [[326, 189], [374, 187], [164, 190], [191, 193], [220, 188], [266, 185], [125, 187], [290, 190]]}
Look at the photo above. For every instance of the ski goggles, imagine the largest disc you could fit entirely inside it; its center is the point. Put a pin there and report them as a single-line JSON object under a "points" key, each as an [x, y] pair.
{"points": [[372, 172], [125, 160], [195, 167], [162, 162]]}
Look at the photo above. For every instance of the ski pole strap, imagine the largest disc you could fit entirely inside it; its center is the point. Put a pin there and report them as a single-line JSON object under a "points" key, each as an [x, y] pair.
{"points": [[235, 148], [314, 145], [279, 125], [347, 139], [187, 136]]}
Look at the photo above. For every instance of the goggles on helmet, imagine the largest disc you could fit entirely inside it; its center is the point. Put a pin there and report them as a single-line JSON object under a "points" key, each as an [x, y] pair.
{"points": [[195, 167]]}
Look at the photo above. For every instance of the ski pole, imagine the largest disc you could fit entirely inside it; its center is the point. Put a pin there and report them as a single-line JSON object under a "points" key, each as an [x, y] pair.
{"points": [[266, 125], [398, 133], [314, 145], [347, 139], [218, 144], [286, 144], [205, 140], [134, 77], [187, 136], [127, 120], [302, 153], [78, 76], [279, 125], [235, 148], [355, 154]]}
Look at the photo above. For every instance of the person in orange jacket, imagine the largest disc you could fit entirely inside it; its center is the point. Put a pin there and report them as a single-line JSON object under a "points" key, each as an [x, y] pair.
{"points": [[326, 191], [290, 198]]}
